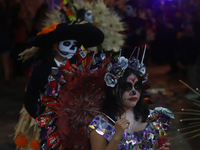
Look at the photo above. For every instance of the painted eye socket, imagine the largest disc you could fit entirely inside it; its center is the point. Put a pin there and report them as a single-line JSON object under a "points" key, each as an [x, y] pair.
{"points": [[67, 43], [89, 14], [75, 44], [137, 87], [128, 86]]}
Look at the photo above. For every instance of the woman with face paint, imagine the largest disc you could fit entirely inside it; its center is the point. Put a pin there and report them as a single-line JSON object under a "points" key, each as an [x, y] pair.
{"points": [[125, 122]]}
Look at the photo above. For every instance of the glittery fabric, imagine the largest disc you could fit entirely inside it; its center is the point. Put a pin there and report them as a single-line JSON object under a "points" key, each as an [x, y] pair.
{"points": [[140, 140]]}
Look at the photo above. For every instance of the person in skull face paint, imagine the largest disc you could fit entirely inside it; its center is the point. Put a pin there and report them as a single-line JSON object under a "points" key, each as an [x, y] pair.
{"points": [[65, 40], [86, 15]]}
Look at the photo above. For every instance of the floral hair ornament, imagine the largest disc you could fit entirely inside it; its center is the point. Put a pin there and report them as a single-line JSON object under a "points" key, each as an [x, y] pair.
{"points": [[118, 65]]}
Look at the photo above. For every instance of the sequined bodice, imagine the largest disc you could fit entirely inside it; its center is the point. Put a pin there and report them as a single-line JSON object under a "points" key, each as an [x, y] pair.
{"points": [[144, 139]]}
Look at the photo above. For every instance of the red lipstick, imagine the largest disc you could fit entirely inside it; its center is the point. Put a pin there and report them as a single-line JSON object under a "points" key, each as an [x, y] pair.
{"points": [[133, 99]]}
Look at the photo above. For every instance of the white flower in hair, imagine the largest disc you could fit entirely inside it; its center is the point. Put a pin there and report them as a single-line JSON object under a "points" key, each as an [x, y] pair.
{"points": [[142, 70], [110, 80], [123, 62]]}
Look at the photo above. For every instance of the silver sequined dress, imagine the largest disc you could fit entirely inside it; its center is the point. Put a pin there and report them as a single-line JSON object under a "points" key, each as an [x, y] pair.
{"points": [[140, 140]]}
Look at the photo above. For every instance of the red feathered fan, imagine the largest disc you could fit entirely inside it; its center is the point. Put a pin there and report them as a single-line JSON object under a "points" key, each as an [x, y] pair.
{"points": [[80, 100]]}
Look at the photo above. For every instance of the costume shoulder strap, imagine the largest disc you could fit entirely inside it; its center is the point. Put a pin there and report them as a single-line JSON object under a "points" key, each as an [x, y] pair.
{"points": [[160, 111], [102, 127]]}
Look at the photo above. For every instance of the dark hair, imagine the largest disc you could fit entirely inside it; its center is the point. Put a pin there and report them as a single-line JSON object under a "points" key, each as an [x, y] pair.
{"points": [[81, 14], [113, 105]]}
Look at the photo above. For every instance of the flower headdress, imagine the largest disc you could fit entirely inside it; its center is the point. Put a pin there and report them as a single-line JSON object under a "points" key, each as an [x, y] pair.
{"points": [[118, 65]]}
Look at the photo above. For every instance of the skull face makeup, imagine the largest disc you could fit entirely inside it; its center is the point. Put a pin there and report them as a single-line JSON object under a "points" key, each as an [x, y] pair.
{"points": [[62, 18], [88, 16], [129, 10], [67, 48]]}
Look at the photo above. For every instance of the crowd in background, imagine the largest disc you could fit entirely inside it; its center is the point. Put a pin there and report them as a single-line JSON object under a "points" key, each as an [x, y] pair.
{"points": [[172, 33], [18, 22], [170, 30]]}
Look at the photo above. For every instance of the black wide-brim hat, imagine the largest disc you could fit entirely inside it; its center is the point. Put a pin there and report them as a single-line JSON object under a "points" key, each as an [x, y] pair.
{"points": [[85, 34]]}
